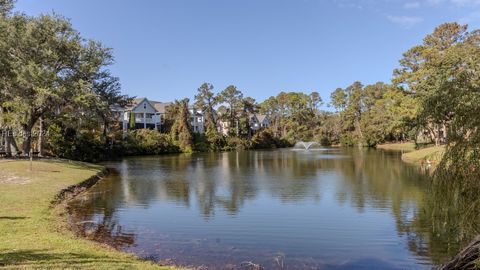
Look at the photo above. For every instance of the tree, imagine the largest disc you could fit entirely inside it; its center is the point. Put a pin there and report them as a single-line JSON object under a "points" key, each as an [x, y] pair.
{"points": [[232, 97], [181, 131], [294, 115], [424, 73], [248, 109], [338, 99], [315, 102], [49, 74], [205, 100], [6, 7], [349, 102]]}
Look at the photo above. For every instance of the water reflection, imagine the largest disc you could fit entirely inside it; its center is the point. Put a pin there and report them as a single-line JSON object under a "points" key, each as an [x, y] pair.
{"points": [[330, 209]]}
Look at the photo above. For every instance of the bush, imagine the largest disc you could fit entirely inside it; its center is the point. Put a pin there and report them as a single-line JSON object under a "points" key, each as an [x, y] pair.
{"points": [[347, 139], [236, 143], [148, 142], [265, 139], [200, 143], [83, 146], [89, 146]]}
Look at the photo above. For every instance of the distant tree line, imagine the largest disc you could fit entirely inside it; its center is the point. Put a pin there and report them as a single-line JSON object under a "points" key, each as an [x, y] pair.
{"points": [[55, 82], [435, 92]]}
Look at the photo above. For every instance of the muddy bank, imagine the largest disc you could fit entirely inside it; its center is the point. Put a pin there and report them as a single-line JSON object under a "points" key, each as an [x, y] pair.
{"points": [[70, 192]]}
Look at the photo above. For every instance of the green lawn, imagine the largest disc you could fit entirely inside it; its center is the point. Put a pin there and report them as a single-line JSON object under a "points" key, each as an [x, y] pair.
{"points": [[433, 154], [33, 233], [406, 147]]}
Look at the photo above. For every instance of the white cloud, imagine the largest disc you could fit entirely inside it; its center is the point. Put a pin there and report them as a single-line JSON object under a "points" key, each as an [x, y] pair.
{"points": [[411, 5], [405, 21]]}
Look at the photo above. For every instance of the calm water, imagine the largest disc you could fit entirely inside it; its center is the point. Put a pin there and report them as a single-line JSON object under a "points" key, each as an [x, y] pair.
{"points": [[282, 209]]}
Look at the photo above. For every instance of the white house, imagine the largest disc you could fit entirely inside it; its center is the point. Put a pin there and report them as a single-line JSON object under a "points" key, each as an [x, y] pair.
{"points": [[151, 114], [145, 114], [197, 121], [256, 122], [263, 120]]}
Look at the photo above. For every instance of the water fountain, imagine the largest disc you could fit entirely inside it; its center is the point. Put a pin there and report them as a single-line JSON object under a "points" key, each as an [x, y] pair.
{"points": [[305, 145]]}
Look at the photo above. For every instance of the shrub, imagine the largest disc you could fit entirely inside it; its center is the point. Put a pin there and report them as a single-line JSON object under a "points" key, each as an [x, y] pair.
{"points": [[148, 142]]}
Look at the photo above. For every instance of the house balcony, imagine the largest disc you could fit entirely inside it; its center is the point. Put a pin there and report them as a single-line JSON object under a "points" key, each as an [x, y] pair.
{"points": [[145, 120]]}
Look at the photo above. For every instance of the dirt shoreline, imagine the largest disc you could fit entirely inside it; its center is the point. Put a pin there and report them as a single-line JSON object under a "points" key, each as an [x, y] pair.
{"points": [[61, 205]]}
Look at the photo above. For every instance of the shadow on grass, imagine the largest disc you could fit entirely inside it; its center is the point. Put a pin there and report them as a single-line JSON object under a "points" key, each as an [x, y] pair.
{"points": [[47, 259], [71, 163], [11, 218]]}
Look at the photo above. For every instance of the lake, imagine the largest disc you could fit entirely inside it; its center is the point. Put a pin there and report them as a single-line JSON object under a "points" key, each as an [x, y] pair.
{"points": [[328, 208]]}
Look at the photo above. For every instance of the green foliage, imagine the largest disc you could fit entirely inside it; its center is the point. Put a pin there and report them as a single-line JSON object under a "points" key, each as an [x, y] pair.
{"points": [[293, 115], [131, 121], [48, 71], [181, 131], [329, 130], [265, 139], [88, 146], [6, 7], [233, 98], [205, 100], [236, 143], [443, 74], [148, 142], [373, 114], [83, 146]]}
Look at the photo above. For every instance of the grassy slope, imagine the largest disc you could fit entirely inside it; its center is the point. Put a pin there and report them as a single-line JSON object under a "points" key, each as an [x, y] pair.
{"points": [[32, 235], [407, 147], [433, 154]]}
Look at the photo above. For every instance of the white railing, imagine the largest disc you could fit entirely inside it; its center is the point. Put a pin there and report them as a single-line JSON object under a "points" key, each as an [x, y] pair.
{"points": [[146, 120]]}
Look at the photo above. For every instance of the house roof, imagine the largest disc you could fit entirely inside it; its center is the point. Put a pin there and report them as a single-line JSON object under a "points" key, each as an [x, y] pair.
{"points": [[134, 103], [161, 107], [261, 117], [116, 108]]}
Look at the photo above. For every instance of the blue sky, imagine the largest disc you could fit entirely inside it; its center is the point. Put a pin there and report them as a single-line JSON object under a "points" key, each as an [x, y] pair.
{"points": [[166, 49]]}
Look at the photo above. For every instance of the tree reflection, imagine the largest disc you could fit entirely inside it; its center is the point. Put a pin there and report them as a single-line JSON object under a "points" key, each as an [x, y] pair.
{"points": [[445, 222], [93, 216], [434, 217]]}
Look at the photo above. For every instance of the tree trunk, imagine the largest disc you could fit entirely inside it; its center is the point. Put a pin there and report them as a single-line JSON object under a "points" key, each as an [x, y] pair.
{"points": [[105, 130], [11, 147], [8, 144], [41, 137], [27, 139]]}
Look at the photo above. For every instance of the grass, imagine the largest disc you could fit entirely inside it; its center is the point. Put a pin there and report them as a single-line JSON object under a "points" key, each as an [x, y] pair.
{"points": [[406, 147], [411, 155], [34, 233], [433, 154]]}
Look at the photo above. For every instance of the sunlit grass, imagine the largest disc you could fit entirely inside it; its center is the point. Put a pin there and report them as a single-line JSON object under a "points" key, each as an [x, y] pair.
{"points": [[407, 146], [33, 234], [430, 154]]}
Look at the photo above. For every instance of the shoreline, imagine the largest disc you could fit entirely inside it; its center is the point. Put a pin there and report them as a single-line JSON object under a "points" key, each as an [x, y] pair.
{"points": [[34, 219], [429, 156]]}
